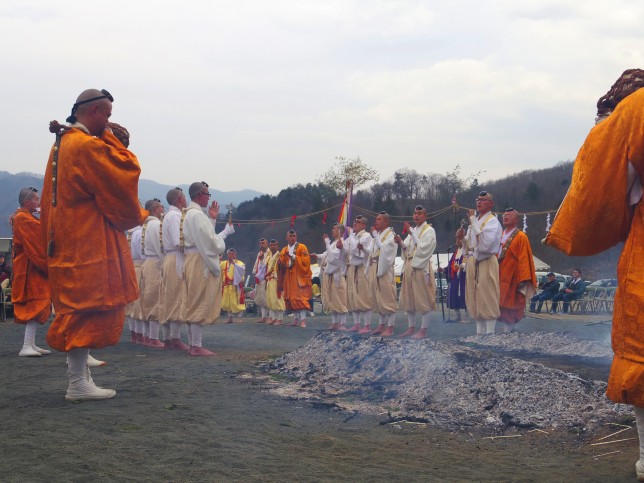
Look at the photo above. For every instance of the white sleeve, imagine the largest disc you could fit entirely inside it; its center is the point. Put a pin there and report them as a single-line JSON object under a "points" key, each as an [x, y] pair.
{"points": [[424, 249], [376, 239], [152, 240], [489, 240], [387, 257], [228, 230], [171, 231], [209, 244], [238, 273]]}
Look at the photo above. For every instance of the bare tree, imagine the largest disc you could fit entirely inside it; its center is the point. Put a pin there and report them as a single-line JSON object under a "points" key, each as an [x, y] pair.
{"points": [[348, 169]]}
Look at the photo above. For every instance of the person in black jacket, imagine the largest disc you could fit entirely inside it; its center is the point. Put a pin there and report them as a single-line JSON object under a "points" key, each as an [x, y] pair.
{"points": [[549, 288], [574, 289]]}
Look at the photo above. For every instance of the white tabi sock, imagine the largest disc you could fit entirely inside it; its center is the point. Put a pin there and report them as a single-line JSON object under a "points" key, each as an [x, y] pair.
{"points": [[356, 317], [334, 318], [30, 333], [29, 348], [302, 316], [175, 330], [279, 315], [166, 331], [343, 319], [391, 319], [130, 324], [480, 327], [196, 334], [154, 329], [366, 318], [81, 385], [411, 319], [490, 326], [425, 320], [77, 360], [264, 312], [138, 326]]}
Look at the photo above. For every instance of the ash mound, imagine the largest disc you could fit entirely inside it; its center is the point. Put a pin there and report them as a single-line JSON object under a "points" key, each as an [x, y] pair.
{"points": [[445, 384]]}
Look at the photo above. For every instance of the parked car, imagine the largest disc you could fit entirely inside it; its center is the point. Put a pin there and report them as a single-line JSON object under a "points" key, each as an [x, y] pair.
{"points": [[604, 282]]}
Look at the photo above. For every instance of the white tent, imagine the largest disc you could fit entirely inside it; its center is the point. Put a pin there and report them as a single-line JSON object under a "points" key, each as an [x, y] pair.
{"points": [[540, 265]]}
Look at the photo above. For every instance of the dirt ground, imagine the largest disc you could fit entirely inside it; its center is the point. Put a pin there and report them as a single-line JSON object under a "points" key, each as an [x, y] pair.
{"points": [[179, 418]]}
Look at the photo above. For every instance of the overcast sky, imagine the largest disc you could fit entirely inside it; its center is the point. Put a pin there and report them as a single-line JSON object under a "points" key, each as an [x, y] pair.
{"points": [[264, 94]]}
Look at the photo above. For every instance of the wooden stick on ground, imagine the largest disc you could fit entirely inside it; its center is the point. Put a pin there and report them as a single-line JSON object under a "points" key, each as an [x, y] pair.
{"points": [[613, 434], [606, 454], [611, 442], [495, 437], [620, 425]]}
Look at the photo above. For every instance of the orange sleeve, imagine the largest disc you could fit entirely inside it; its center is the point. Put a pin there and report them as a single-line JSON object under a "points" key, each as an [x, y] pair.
{"points": [[114, 178], [595, 214]]}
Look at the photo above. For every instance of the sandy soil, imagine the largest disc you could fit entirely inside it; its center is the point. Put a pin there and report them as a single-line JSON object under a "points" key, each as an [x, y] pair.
{"points": [[179, 418]]}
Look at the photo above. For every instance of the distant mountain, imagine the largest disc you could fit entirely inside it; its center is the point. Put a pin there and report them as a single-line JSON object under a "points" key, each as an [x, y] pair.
{"points": [[11, 184], [151, 189]]}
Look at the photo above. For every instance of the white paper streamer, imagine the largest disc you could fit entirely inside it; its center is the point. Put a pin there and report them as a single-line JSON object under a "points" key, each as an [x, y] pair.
{"points": [[525, 224], [548, 225]]}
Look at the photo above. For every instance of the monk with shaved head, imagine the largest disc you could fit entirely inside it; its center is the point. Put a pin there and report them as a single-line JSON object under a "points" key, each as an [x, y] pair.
{"points": [[517, 278], [89, 200]]}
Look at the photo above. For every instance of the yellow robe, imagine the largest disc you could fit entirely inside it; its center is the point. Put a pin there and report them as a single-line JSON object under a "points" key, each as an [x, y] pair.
{"points": [[597, 214], [230, 294]]}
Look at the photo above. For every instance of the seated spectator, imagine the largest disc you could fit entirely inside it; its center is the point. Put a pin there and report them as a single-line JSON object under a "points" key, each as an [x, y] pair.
{"points": [[549, 288], [5, 270], [573, 290]]}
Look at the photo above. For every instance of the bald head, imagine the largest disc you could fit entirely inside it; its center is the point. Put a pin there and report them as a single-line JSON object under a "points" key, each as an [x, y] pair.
{"points": [[175, 197], [93, 109], [510, 218], [26, 194]]}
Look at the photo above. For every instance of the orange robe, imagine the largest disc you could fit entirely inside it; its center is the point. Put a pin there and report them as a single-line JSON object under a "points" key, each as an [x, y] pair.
{"points": [[30, 289], [517, 279], [91, 273], [296, 278], [597, 214]]}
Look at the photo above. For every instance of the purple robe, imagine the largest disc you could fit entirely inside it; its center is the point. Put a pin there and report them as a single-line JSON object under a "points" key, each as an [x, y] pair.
{"points": [[456, 291]]}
